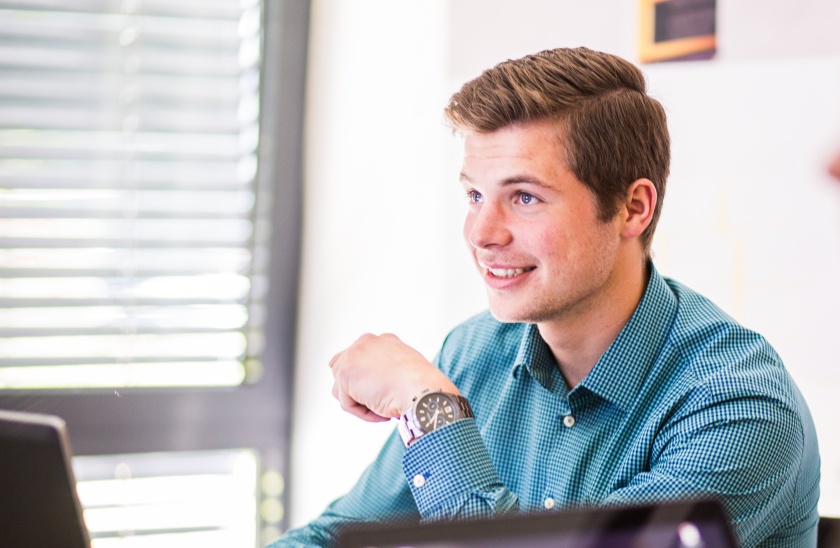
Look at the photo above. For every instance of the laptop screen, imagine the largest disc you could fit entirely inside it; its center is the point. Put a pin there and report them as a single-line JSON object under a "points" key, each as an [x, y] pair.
{"points": [[683, 524], [38, 501]]}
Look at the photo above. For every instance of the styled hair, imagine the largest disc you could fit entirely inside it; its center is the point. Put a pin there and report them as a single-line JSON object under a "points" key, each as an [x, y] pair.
{"points": [[613, 133]]}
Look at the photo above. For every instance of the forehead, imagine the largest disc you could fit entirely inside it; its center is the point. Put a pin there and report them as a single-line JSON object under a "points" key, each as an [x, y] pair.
{"points": [[536, 147], [521, 136]]}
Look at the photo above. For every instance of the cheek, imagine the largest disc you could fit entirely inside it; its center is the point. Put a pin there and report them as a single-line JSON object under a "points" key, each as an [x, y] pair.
{"points": [[570, 247], [551, 246]]}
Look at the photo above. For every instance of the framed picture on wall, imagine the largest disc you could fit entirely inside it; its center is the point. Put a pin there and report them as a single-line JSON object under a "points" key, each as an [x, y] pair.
{"points": [[676, 30]]}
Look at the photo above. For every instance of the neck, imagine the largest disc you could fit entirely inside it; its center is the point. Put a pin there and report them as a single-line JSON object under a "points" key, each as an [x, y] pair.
{"points": [[579, 339]]}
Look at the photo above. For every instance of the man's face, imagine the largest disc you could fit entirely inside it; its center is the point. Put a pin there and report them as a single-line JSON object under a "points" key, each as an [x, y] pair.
{"points": [[533, 228]]}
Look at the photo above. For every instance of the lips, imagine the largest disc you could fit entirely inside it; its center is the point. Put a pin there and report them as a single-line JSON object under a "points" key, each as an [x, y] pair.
{"points": [[508, 272], [504, 272]]}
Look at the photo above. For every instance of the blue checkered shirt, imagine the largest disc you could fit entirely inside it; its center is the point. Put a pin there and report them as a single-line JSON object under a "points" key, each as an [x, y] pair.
{"points": [[684, 402]]}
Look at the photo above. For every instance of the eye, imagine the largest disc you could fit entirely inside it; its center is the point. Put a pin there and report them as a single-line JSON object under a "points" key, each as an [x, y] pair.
{"points": [[474, 196], [526, 199]]}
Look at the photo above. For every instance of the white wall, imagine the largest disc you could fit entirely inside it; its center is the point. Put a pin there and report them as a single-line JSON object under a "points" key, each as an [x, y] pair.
{"points": [[375, 195], [750, 218]]}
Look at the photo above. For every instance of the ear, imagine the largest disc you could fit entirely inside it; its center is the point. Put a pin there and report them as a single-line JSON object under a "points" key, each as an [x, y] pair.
{"points": [[637, 211]]}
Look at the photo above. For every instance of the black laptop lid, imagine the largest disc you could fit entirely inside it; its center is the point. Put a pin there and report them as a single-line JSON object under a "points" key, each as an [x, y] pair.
{"points": [[38, 502], [683, 524]]}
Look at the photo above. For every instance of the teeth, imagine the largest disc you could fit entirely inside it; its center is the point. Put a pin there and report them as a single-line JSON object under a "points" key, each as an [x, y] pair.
{"points": [[506, 272]]}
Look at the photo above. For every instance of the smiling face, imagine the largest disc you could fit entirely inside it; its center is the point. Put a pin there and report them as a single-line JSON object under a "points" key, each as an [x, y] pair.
{"points": [[533, 228]]}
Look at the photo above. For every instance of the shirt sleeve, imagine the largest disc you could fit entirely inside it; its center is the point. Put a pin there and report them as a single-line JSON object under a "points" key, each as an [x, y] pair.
{"points": [[446, 474], [451, 475], [746, 452]]}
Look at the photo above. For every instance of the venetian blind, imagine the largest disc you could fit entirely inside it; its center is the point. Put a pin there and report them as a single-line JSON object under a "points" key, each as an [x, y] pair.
{"points": [[128, 157]]}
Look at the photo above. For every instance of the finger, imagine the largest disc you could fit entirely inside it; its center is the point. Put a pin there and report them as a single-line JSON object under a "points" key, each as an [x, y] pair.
{"points": [[347, 403], [370, 416], [366, 414], [356, 409]]}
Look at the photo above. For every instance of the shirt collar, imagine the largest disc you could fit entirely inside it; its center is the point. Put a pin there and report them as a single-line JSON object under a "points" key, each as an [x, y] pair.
{"points": [[620, 372], [535, 356]]}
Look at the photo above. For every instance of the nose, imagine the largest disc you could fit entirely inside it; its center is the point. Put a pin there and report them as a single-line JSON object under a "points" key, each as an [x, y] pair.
{"points": [[487, 225]]}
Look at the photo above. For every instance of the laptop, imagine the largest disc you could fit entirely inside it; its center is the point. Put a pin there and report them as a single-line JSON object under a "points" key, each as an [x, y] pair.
{"points": [[39, 505], [678, 524]]}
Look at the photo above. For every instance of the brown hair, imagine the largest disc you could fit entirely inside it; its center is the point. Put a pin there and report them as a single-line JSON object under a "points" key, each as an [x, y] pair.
{"points": [[613, 132]]}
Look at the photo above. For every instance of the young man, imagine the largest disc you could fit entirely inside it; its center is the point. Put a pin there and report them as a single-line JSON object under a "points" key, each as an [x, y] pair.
{"points": [[592, 380]]}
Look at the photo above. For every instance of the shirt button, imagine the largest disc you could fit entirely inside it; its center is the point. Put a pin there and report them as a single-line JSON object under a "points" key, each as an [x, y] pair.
{"points": [[548, 503], [568, 421], [419, 481]]}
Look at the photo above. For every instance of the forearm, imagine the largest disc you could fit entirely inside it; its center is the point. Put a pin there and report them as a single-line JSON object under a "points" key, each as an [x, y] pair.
{"points": [[316, 533], [458, 481], [448, 470]]}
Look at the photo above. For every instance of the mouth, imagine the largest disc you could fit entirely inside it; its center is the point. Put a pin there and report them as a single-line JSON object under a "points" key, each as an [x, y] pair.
{"points": [[506, 273]]}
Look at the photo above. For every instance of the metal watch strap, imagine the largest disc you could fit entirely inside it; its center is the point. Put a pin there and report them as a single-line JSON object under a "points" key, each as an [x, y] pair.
{"points": [[410, 431]]}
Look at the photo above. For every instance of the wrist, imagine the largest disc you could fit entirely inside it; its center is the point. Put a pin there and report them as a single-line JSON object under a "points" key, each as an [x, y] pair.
{"points": [[417, 392]]}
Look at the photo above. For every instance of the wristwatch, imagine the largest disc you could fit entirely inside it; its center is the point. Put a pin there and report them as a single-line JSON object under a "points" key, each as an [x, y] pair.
{"points": [[431, 411]]}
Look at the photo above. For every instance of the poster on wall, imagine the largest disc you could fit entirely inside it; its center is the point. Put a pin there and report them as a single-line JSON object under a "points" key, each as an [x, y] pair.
{"points": [[676, 30]]}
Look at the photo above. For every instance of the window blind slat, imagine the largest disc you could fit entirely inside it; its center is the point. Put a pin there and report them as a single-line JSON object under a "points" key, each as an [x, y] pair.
{"points": [[191, 146], [104, 173], [187, 8], [90, 26], [141, 260], [47, 86]]}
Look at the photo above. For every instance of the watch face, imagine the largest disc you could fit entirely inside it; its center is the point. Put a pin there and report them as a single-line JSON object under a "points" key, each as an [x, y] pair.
{"points": [[433, 411]]}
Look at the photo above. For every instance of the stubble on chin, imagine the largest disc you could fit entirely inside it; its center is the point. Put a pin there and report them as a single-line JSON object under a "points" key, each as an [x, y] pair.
{"points": [[534, 311]]}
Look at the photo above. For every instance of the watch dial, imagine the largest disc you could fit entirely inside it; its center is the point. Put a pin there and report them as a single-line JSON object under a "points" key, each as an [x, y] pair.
{"points": [[433, 411]]}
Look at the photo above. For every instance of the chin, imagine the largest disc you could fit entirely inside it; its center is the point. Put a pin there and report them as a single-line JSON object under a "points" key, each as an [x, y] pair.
{"points": [[508, 315], [528, 312]]}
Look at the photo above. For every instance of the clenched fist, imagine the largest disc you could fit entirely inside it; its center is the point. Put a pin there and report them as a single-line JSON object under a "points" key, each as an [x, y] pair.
{"points": [[376, 377]]}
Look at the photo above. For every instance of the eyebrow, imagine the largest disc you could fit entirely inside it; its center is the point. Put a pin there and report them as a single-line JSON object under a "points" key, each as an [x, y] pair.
{"points": [[513, 180]]}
